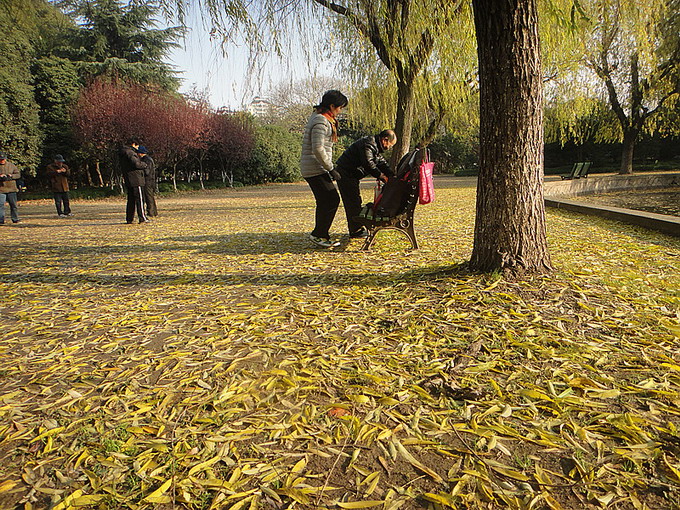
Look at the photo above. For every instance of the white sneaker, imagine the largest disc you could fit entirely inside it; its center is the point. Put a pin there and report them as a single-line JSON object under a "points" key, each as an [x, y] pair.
{"points": [[63, 216], [323, 242]]}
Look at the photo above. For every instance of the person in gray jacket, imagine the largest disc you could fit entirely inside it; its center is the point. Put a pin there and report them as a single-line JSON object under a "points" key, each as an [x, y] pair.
{"points": [[316, 163]]}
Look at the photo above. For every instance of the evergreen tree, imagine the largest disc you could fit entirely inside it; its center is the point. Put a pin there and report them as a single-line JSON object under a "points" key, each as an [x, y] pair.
{"points": [[57, 84], [20, 133], [120, 39]]}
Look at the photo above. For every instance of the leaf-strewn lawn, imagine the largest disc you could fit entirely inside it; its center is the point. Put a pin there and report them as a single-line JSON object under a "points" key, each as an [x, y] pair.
{"points": [[215, 359]]}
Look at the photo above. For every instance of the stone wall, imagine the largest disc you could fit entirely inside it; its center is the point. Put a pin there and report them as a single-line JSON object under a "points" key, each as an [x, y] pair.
{"points": [[607, 183]]}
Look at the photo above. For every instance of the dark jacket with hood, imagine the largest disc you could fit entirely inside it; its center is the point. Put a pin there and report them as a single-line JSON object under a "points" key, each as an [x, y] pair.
{"points": [[362, 158], [150, 171], [132, 166]]}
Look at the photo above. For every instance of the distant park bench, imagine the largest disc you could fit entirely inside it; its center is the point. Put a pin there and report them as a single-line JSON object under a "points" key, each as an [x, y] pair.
{"points": [[578, 170]]}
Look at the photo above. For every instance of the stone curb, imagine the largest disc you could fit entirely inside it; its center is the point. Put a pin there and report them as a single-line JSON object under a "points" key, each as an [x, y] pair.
{"points": [[660, 222], [558, 192]]}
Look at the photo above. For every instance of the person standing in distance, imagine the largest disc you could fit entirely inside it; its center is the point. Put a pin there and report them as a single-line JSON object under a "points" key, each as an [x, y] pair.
{"points": [[9, 173], [316, 163], [133, 173], [362, 158], [149, 181], [58, 173]]}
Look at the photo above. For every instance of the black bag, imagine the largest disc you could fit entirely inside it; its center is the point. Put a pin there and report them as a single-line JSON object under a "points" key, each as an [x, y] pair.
{"points": [[392, 198]]}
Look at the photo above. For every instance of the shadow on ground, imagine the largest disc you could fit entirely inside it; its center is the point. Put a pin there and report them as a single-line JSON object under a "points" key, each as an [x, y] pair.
{"points": [[255, 277]]}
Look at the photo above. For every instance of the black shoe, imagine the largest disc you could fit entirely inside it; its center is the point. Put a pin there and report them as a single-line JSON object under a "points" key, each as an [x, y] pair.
{"points": [[16, 221], [359, 234]]}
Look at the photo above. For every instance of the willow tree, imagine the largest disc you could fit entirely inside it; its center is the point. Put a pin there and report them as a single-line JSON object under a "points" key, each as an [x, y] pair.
{"points": [[402, 34], [442, 92], [633, 48], [510, 230]]}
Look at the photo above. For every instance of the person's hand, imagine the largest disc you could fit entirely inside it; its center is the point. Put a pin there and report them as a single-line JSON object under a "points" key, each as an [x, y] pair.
{"points": [[383, 177], [335, 175]]}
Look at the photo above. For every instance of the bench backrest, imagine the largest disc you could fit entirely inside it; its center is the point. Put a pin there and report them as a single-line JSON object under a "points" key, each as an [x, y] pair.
{"points": [[403, 188], [576, 171]]}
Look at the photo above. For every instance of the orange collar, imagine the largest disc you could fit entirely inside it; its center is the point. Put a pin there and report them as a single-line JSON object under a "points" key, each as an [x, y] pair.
{"points": [[334, 125]]}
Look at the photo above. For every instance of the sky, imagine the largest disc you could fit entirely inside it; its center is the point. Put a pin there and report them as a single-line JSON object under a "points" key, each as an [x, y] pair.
{"points": [[202, 64]]}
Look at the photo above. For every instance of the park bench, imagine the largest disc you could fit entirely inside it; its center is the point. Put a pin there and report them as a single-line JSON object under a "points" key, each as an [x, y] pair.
{"points": [[372, 215], [578, 170]]}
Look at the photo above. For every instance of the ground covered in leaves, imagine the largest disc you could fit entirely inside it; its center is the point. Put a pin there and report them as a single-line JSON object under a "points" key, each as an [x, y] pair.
{"points": [[215, 359]]}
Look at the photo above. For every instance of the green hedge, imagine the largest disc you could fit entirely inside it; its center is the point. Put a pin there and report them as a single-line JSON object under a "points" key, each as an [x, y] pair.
{"points": [[276, 157]]}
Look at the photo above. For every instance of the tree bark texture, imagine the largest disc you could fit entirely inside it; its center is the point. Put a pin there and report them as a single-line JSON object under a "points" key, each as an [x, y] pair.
{"points": [[404, 120], [98, 170], [629, 139], [510, 230]]}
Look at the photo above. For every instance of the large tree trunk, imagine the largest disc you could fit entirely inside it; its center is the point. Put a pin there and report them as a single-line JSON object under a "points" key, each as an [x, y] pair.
{"points": [[404, 121], [629, 138], [510, 220]]}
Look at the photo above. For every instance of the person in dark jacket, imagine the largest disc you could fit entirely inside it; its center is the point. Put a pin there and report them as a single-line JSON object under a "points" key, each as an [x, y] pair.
{"points": [[362, 158], [149, 181], [58, 173], [9, 175], [133, 172]]}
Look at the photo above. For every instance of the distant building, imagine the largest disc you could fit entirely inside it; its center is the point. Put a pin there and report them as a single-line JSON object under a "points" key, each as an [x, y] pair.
{"points": [[261, 107], [225, 110]]}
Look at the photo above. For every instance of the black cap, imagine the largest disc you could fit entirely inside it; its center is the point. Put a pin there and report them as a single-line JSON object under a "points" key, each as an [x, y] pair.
{"points": [[59, 158]]}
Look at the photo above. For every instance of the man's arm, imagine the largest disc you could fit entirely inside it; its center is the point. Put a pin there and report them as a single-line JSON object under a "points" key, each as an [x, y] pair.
{"points": [[374, 163], [14, 172], [137, 163]]}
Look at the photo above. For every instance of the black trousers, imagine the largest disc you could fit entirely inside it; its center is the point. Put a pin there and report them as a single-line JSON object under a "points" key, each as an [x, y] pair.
{"points": [[327, 203], [351, 199], [150, 198], [61, 198], [135, 202]]}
